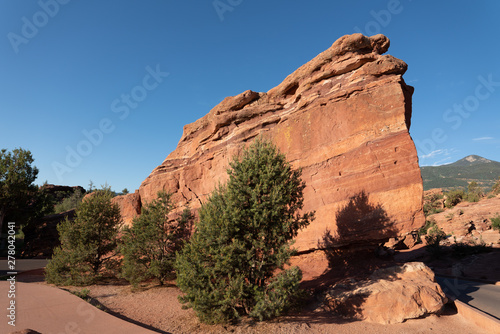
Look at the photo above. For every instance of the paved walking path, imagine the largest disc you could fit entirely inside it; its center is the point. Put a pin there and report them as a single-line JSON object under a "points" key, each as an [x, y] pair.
{"points": [[22, 265], [484, 297], [47, 309]]}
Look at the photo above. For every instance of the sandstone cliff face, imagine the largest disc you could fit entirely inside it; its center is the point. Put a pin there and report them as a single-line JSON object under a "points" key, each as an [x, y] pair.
{"points": [[343, 118], [130, 206]]}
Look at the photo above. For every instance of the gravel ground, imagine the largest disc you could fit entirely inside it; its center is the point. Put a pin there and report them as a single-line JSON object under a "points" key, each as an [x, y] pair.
{"points": [[158, 308]]}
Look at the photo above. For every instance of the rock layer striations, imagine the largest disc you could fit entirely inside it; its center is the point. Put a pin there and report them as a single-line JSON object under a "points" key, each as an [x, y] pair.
{"points": [[344, 118]]}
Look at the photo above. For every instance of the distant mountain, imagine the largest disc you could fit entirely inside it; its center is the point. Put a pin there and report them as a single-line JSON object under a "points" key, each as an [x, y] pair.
{"points": [[458, 174], [471, 160]]}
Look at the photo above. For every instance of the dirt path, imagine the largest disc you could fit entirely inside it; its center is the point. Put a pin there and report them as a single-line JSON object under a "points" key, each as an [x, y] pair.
{"points": [[158, 307]]}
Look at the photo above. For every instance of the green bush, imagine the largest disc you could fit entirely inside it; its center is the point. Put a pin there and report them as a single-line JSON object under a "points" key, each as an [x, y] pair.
{"points": [[495, 222], [69, 203], [433, 204], [149, 246], [435, 235], [496, 187], [453, 197], [427, 209], [430, 210], [428, 224], [87, 243], [243, 237], [474, 192], [433, 238], [83, 294], [276, 298], [473, 198], [436, 197], [17, 175]]}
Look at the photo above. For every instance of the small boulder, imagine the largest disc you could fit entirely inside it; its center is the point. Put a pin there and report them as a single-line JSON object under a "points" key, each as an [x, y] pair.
{"points": [[388, 296]]}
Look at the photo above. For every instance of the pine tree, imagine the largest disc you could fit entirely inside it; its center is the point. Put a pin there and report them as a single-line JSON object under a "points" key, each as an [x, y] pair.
{"points": [[88, 242], [149, 246], [243, 238], [17, 175], [474, 192], [496, 187]]}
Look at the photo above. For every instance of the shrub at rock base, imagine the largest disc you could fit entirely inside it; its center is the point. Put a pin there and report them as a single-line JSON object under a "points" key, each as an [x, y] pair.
{"points": [[474, 192], [496, 187], [433, 239], [243, 238], [453, 197], [149, 246], [87, 243], [495, 223]]}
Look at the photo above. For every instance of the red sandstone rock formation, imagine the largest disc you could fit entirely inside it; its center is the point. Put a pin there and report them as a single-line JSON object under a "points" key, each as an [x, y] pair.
{"points": [[343, 118], [130, 206], [471, 222], [67, 190]]}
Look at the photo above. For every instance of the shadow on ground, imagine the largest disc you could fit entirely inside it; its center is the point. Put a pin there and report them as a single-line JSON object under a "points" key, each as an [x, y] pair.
{"points": [[101, 306], [350, 258]]}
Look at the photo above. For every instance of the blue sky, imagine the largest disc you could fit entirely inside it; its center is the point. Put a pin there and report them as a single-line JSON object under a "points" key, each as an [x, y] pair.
{"points": [[100, 90]]}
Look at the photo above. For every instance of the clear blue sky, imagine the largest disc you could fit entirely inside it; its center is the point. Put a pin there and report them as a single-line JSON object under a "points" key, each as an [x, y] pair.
{"points": [[73, 66]]}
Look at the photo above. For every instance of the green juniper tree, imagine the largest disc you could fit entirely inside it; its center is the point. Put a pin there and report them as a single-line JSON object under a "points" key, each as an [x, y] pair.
{"points": [[17, 175], [88, 242], [72, 202], [433, 239], [149, 246], [474, 192], [496, 187], [243, 238], [454, 196]]}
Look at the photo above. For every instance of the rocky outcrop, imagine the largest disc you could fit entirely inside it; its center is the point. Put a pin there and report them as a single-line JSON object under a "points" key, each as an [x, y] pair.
{"points": [[58, 190], [389, 296], [130, 206], [470, 222], [343, 118]]}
